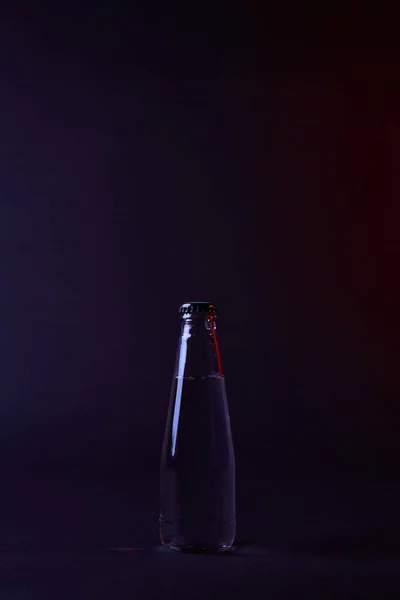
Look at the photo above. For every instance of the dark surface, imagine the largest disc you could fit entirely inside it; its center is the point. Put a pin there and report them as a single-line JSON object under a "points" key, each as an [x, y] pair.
{"points": [[68, 538], [247, 156], [83, 539]]}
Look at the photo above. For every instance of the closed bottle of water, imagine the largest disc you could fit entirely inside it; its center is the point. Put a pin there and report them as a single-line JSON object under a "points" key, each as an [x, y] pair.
{"points": [[197, 503]]}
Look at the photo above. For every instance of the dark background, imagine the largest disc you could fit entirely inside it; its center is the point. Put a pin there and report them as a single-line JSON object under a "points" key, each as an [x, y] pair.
{"points": [[246, 155]]}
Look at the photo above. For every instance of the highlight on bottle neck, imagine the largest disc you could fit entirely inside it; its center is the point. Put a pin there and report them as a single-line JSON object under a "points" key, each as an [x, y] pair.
{"points": [[198, 351]]}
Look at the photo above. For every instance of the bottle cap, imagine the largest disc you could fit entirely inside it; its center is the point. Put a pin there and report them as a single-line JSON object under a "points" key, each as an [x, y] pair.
{"points": [[190, 308]]}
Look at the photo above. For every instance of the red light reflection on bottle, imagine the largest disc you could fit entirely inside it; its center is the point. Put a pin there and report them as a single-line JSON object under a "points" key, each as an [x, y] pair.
{"points": [[211, 321]]}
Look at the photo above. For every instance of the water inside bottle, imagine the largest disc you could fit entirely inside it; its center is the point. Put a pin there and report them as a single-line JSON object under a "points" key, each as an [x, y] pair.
{"points": [[198, 468]]}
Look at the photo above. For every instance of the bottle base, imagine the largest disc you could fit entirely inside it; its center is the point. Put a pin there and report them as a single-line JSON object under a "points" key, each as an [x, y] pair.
{"points": [[206, 536], [199, 548]]}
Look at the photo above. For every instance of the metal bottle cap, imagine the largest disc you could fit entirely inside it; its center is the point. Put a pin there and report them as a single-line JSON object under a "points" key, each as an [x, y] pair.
{"points": [[190, 308]]}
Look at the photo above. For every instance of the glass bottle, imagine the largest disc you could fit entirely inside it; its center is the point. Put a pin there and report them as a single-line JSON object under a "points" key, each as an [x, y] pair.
{"points": [[197, 491]]}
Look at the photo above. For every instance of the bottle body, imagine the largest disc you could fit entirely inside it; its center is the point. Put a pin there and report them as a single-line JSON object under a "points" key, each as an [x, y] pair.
{"points": [[197, 500]]}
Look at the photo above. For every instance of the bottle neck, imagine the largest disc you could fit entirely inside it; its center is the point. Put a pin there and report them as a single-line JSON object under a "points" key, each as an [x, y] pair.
{"points": [[198, 349]]}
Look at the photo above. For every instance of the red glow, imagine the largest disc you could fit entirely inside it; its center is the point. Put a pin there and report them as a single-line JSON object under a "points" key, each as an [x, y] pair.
{"points": [[213, 333]]}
